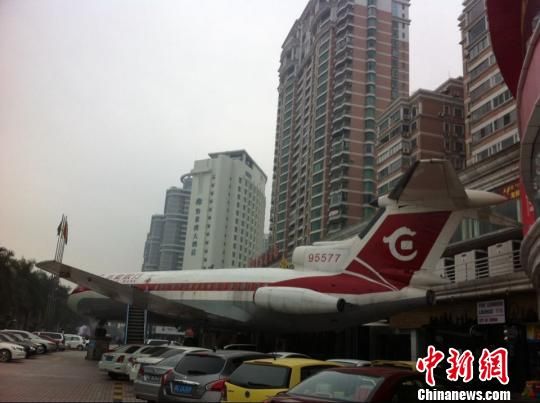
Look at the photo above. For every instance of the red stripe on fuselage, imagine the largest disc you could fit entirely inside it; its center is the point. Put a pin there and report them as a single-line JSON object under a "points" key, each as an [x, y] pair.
{"points": [[222, 286], [334, 284]]}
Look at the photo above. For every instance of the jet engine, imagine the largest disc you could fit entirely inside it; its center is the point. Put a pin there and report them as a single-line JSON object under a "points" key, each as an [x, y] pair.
{"points": [[296, 300]]}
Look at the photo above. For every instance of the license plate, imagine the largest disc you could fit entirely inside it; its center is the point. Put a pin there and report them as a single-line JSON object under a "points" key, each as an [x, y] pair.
{"points": [[152, 378], [183, 389]]}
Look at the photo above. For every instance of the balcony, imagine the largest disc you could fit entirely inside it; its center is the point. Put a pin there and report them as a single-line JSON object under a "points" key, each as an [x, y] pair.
{"points": [[484, 276]]}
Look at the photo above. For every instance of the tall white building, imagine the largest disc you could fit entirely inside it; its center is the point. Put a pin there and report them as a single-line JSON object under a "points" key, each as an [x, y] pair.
{"points": [[226, 215]]}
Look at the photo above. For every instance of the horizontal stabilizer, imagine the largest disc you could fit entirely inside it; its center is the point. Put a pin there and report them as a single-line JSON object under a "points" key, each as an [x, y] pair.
{"points": [[434, 184]]}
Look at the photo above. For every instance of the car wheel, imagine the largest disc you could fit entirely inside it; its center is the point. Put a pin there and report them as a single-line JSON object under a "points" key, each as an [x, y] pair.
{"points": [[112, 375], [5, 356], [40, 349], [79, 347]]}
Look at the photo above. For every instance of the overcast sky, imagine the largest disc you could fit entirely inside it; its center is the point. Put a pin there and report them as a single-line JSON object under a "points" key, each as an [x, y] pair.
{"points": [[104, 104]]}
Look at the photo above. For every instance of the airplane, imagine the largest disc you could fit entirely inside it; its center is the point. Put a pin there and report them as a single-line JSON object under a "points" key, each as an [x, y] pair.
{"points": [[386, 269]]}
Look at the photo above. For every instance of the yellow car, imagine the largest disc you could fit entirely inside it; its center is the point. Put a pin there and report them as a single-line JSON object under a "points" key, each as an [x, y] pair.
{"points": [[258, 380]]}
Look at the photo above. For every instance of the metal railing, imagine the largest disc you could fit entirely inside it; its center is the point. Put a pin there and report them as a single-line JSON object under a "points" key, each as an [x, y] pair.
{"points": [[482, 267]]}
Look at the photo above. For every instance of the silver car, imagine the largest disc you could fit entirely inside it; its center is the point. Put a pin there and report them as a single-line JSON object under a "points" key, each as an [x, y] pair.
{"points": [[200, 377], [148, 380]]}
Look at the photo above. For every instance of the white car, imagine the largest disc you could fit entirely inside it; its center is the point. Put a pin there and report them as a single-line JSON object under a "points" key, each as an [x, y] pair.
{"points": [[141, 362], [73, 341], [114, 362], [10, 351]]}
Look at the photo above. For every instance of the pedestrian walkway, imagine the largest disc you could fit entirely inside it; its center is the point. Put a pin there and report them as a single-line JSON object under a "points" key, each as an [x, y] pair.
{"points": [[60, 377]]}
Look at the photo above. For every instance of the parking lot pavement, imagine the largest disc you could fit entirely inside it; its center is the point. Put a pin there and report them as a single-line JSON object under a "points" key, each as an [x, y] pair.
{"points": [[60, 377]]}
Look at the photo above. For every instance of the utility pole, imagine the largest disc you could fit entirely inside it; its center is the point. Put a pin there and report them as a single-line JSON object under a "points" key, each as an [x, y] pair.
{"points": [[62, 233]]}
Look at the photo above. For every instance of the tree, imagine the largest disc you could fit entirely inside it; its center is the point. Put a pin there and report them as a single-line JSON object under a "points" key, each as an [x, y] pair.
{"points": [[24, 295]]}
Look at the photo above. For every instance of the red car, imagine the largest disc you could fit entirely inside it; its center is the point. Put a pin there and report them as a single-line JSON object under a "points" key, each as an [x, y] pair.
{"points": [[363, 384]]}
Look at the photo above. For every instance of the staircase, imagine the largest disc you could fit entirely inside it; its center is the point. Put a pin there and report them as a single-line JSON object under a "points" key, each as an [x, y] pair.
{"points": [[135, 325]]}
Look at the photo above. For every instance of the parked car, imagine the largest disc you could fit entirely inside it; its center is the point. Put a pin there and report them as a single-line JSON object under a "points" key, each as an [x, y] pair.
{"points": [[286, 354], [48, 345], [58, 341], [73, 341], [140, 362], [255, 381], [200, 377], [15, 338], [28, 346], [360, 384], [56, 336], [144, 351], [10, 351], [350, 362], [148, 380], [114, 362]]}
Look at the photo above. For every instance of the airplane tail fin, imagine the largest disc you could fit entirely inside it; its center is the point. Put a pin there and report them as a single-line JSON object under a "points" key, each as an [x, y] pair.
{"points": [[409, 234], [420, 216]]}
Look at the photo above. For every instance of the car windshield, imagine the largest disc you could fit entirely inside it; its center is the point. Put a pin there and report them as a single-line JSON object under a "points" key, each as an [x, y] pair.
{"points": [[158, 351], [172, 360], [171, 352], [200, 365], [261, 376], [3, 337], [18, 336], [54, 336], [338, 385], [126, 349]]}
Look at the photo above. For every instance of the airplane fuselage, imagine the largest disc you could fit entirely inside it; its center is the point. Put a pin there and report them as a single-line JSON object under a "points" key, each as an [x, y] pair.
{"points": [[227, 295]]}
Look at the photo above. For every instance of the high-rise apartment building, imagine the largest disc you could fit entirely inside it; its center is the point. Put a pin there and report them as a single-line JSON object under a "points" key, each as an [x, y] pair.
{"points": [[164, 247], [491, 131], [342, 64], [226, 216], [491, 119], [428, 124]]}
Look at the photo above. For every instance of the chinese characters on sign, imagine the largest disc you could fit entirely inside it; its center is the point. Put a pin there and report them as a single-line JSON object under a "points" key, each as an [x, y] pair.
{"points": [[491, 365], [490, 312], [510, 191]]}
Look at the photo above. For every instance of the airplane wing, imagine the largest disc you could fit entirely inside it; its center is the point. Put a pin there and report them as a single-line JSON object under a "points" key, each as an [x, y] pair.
{"points": [[123, 292], [430, 181]]}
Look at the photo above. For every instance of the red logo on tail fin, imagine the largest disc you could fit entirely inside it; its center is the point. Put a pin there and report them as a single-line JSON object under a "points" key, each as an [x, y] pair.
{"points": [[399, 247]]}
